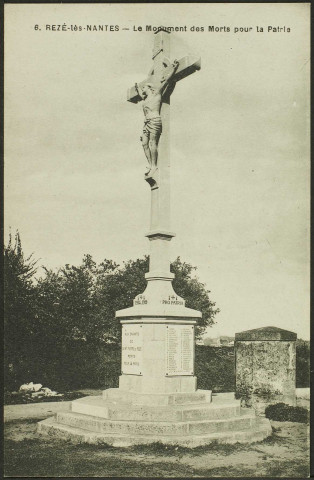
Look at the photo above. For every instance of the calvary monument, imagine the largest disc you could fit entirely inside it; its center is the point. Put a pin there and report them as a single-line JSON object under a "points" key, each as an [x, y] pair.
{"points": [[157, 399]]}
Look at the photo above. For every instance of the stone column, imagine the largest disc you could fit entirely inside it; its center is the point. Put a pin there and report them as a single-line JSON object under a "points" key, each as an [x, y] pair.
{"points": [[265, 367]]}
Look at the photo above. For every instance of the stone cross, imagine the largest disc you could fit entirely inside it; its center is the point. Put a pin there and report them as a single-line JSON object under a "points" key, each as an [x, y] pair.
{"points": [[162, 360], [160, 180]]}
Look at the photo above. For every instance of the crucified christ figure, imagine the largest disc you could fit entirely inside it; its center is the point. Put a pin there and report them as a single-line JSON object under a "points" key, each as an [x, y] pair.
{"points": [[152, 100]]}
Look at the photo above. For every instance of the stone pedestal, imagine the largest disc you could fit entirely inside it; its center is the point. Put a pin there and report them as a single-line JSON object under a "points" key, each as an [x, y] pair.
{"points": [[158, 339], [157, 357], [265, 367]]}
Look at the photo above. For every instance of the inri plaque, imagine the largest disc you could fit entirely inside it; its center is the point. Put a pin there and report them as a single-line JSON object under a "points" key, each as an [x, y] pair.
{"points": [[180, 350], [132, 344]]}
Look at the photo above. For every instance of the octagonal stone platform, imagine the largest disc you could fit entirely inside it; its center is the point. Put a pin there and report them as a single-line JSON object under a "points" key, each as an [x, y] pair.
{"points": [[120, 418]]}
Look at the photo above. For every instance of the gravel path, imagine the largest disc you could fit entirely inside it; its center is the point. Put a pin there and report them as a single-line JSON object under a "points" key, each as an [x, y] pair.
{"points": [[32, 410]]}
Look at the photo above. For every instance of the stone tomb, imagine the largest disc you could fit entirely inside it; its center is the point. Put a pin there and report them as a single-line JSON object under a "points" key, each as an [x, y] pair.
{"points": [[157, 399], [266, 367]]}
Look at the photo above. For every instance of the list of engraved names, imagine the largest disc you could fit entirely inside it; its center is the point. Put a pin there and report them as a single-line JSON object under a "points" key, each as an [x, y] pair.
{"points": [[180, 350]]}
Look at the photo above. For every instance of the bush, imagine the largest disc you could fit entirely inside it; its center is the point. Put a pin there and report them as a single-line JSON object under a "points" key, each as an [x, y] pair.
{"points": [[303, 363], [214, 368], [69, 367], [281, 412]]}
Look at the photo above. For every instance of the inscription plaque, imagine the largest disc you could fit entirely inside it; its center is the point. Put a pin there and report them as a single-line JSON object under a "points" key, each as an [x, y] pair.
{"points": [[180, 350], [132, 346]]}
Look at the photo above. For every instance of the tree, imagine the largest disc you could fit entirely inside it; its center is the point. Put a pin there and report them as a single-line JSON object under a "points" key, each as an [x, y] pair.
{"points": [[65, 301], [19, 304], [74, 302], [116, 288], [194, 293], [57, 326], [79, 303]]}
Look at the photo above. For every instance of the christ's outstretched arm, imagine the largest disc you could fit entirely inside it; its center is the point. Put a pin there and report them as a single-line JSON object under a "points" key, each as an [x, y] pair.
{"points": [[165, 80], [138, 91]]}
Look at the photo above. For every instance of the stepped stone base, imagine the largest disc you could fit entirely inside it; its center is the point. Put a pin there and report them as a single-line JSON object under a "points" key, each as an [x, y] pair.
{"points": [[121, 418]]}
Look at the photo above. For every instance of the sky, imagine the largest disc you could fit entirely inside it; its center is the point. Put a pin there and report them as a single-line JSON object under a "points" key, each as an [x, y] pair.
{"points": [[240, 170]]}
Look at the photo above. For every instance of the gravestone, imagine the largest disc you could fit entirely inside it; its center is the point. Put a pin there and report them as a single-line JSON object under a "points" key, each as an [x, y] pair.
{"points": [[157, 399], [265, 360]]}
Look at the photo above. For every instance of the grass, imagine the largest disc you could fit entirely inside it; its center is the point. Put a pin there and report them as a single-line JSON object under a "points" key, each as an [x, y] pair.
{"points": [[285, 454], [159, 449]]}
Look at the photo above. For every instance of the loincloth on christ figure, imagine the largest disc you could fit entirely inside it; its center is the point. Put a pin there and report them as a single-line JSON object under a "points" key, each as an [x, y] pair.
{"points": [[152, 126]]}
